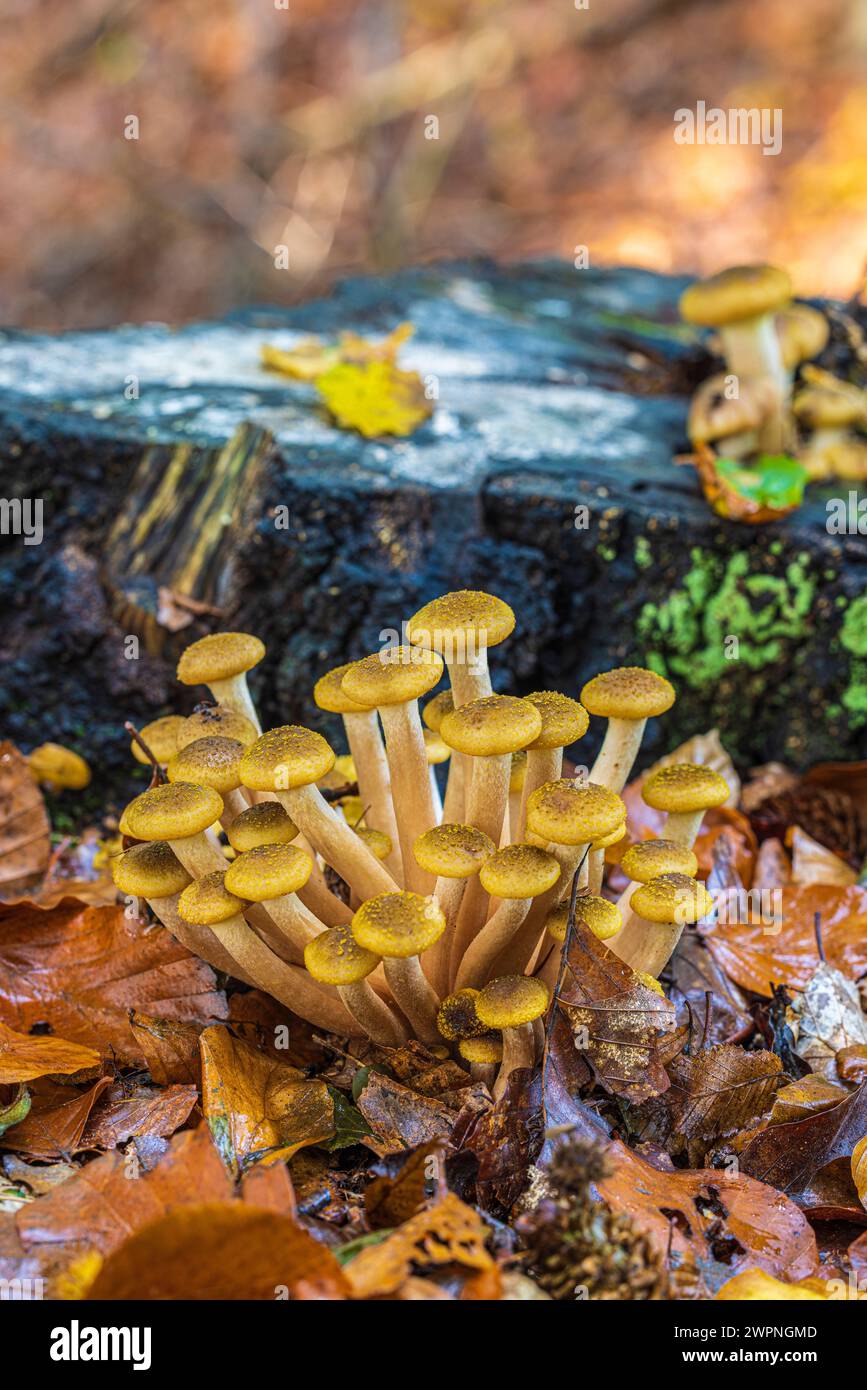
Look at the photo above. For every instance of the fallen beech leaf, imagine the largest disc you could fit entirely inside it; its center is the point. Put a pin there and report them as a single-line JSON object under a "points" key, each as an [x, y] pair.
{"points": [[55, 1125], [257, 1108], [218, 1250], [770, 779], [829, 1018], [726, 1221], [448, 1233], [401, 1119], [756, 1284], [772, 868], [24, 1057], [757, 956], [145, 1110], [38, 1177], [790, 1155], [269, 1187], [309, 358], [859, 1169], [389, 1201], [375, 398], [815, 863], [170, 1048], [82, 969], [808, 1096], [694, 974], [506, 1139], [852, 1063], [718, 1093], [733, 825], [270, 1027], [25, 832]]}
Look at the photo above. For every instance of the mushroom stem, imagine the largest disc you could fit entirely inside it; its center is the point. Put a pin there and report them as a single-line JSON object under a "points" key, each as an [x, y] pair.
{"points": [[234, 695], [453, 803], [318, 898], [519, 1050], [618, 753], [234, 803], [414, 995], [199, 941], [752, 350], [646, 946], [487, 799], [198, 854], [683, 827], [475, 968], [543, 765], [435, 797], [595, 870], [373, 1014], [338, 844], [449, 893], [292, 919], [374, 780], [519, 951], [414, 808], [470, 680], [483, 1071]]}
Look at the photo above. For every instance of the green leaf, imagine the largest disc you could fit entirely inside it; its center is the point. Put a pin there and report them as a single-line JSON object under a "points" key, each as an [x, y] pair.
{"points": [[348, 1252], [16, 1111], [773, 480], [350, 1126]]}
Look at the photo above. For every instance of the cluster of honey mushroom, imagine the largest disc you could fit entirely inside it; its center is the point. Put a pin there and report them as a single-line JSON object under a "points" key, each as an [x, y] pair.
{"points": [[393, 913]]}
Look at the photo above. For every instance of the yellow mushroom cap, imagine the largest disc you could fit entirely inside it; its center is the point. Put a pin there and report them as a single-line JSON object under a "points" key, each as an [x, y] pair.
{"points": [[150, 871], [377, 841], [209, 762], [649, 982], [206, 901], [440, 704], [803, 333], [821, 407], [436, 750], [453, 851], [344, 765], [573, 813], [614, 838], [353, 809], [161, 737], [557, 921], [518, 771], [290, 756], [484, 1050], [628, 692], [512, 1000], [519, 871], [215, 721], [329, 694], [671, 898], [602, 917], [491, 726], [334, 957], [173, 811], [268, 871], [742, 292], [58, 767], [461, 623], [398, 925], [649, 858], [392, 676], [457, 1017], [219, 657], [685, 787], [264, 824], [563, 720], [123, 825]]}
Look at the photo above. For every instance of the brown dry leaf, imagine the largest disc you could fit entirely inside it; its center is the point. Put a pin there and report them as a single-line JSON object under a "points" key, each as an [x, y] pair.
{"points": [[755, 1284], [449, 1233], [714, 1216], [170, 1049], [25, 831], [829, 1018], [731, 824], [757, 956], [134, 1113], [270, 1027], [257, 1108], [694, 974], [402, 1119], [23, 1057], [772, 867], [806, 1097], [55, 1124], [218, 1251], [859, 1169], [389, 1201], [771, 779], [789, 1156], [852, 1064], [506, 1139], [82, 969], [718, 1093], [814, 863]]}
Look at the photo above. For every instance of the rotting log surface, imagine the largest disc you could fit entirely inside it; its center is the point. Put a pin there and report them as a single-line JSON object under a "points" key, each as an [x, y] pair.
{"points": [[557, 390]]}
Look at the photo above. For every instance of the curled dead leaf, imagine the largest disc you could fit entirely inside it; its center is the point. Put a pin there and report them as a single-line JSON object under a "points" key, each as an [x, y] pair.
{"points": [[449, 1233], [24, 1057], [859, 1169], [25, 831]]}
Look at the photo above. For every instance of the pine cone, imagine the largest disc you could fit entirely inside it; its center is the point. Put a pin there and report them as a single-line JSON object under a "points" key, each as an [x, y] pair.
{"points": [[576, 1248], [831, 817]]}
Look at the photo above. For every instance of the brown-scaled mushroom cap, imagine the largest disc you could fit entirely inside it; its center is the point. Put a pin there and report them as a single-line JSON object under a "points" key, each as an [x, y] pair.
{"points": [[671, 898], [453, 851], [460, 623], [491, 726], [264, 824], [602, 917], [742, 292], [216, 721], [803, 333], [206, 901], [648, 859], [398, 925], [219, 657], [161, 737], [685, 787], [209, 762], [329, 694], [573, 813], [485, 1050], [628, 692], [150, 871], [334, 957], [564, 720], [512, 1000], [457, 1017], [392, 676], [173, 811], [379, 844], [288, 757], [441, 703], [519, 871], [268, 871]]}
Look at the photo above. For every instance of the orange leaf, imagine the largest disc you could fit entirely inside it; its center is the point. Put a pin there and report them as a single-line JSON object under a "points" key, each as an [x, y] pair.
{"points": [[22, 1057], [25, 832], [448, 1233], [56, 1122], [859, 1169]]}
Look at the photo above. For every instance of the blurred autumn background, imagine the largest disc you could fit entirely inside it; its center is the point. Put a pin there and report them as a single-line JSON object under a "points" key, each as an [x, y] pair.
{"points": [[306, 126]]}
